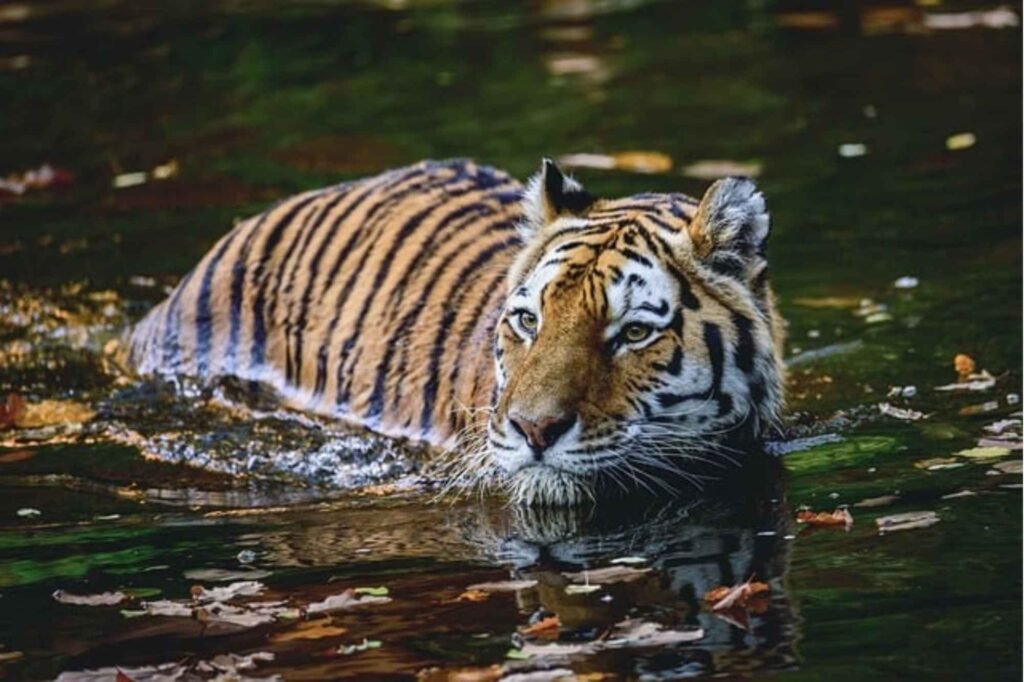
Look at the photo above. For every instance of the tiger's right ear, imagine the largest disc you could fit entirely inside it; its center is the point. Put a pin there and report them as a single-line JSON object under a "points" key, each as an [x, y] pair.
{"points": [[549, 195]]}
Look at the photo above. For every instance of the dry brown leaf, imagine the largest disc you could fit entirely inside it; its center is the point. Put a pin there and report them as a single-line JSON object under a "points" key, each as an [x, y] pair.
{"points": [[473, 596], [488, 674], [906, 521], [643, 162], [840, 517], [311, 629], [52, 412], [103, 599], [121, 677], [739, 596], [964, 366], [546, 628], [502, 586]]}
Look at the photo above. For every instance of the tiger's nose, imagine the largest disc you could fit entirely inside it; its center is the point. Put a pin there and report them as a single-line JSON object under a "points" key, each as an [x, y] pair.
{"points": [[542, 433]]}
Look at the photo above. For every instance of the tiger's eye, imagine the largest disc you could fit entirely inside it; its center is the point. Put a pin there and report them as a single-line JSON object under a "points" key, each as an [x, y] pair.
{"points": [[528, 321], [635, 332]]}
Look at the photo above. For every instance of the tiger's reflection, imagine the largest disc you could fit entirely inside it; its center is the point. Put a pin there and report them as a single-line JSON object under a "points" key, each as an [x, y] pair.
{"points": [[687, 551]]}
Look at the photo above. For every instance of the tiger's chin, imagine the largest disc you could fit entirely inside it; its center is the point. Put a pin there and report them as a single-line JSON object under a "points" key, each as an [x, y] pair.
{"points": [[542, 485]]}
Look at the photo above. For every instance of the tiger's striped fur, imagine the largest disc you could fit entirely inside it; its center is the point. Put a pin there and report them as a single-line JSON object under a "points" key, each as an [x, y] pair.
{"points": [[391, 302]]}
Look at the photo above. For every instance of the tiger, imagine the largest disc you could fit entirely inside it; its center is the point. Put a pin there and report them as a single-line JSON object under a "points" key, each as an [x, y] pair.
{"points": [[565, 347]]}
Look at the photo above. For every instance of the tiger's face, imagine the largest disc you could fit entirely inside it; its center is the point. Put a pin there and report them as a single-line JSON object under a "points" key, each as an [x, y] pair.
{"points": [[638, 342]]}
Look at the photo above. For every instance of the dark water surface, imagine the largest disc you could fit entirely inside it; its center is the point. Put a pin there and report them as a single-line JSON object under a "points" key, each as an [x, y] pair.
{"points": [[240, 103]]}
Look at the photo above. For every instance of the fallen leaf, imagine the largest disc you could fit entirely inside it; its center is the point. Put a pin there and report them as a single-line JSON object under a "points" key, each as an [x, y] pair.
{"points": [[959, 141], [905, 414], [472, 596], [224, 575], [372, 591], [349, 649], [103, 599], [630, 633], [829, 302], [982, 408], [608, 574], [984, 453], [632, 161], [839, 517], [503, 586], [488, 674], [8, 656], [906, 521], [546, 628], [970, 382], [245, 588], [880, 501], [346, 600], [1013, 466], [310, 629], [712, 169], [581, 589], [932, 462], [964, 365], [725, 598]]}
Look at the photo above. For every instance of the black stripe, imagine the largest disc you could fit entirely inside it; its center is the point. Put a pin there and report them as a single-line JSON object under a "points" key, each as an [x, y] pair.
{"points": [[409, 320], [356, 237], [286, 279], [743, 355], [384, 269], [436, 355], [257, 350], [204, 316], [171, 347], [685, 290], [259, 324]]}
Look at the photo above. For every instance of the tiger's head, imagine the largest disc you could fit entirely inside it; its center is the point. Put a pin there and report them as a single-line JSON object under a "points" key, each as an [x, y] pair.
{"points": [[638, 343]]}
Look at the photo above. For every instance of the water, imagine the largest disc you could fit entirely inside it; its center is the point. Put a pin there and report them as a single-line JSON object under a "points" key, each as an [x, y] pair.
{"points": [[249, 103]]}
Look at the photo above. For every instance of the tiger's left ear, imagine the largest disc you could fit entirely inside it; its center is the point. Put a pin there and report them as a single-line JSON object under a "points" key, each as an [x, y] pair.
{"points": [[730, 228], [549, 195]]}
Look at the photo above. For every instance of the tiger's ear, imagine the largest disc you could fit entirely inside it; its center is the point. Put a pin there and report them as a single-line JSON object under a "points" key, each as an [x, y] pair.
{"points": [[550, 194], [730, 228]]}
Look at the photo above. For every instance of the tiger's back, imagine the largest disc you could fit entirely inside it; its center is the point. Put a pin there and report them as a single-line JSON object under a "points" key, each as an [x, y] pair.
{"points": [[373, 301]]}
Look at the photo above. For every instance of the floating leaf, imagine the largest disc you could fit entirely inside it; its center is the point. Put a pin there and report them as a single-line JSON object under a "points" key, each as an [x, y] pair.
{"points": [[349, 649], [984, 453], [1013, 466], [311, 629], [372, 591], [245, 588], [964, 365], [546, 628], [608, 574], [712, 169], [880, 501], [741, 596], [581, 589], [346, 600], [905, 414], [489, 674], [503, 586], [837, 518], [906, 521], [103, 599], [982, 408]]}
